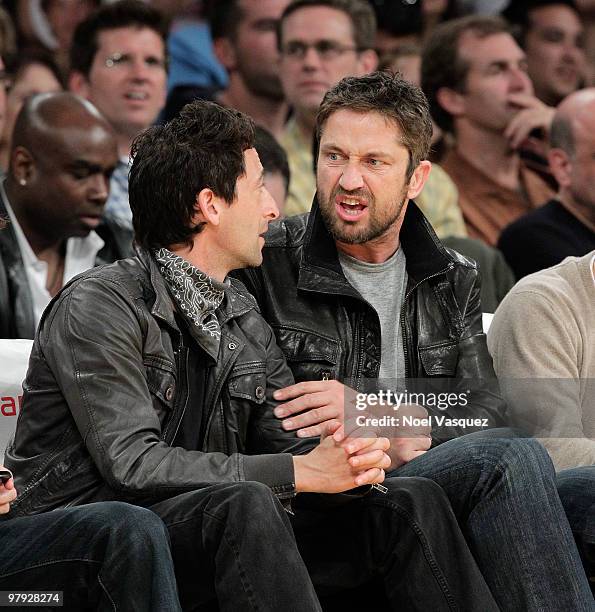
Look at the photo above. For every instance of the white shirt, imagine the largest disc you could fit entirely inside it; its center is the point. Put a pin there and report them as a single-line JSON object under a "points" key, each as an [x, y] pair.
{"points": [[81, 254]]}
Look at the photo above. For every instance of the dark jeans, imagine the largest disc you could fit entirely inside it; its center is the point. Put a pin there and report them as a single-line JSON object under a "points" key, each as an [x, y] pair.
{"points": [[235, 542], [576, 487], [104, 556], [503, 492]]}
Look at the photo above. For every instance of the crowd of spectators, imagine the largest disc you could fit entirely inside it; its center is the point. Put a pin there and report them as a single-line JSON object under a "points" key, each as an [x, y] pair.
{"points": [[510, 88]]}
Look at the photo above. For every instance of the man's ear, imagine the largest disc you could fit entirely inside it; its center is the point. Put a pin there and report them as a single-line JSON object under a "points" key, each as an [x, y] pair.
{"points": [[22, 165], [451, 101], [207, 208], [561, 166], [368, 61], [225, 52], [78, 84], [418, 179]]}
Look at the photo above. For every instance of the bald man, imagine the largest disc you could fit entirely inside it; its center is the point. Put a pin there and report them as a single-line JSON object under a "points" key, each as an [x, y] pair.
{"points": [[565, 226], [63, 154]]}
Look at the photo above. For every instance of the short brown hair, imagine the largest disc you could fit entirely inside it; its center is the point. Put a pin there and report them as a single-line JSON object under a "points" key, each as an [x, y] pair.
{"points": [[441, 65], [361, 14], [391, 96]]}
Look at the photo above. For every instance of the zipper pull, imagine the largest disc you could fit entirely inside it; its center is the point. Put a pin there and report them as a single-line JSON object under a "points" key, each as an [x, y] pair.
{"points": [[326, 375]]}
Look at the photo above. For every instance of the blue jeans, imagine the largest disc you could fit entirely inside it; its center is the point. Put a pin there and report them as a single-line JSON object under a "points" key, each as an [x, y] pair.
{"points": [[576, 487], [503, 492], [104, 556]]}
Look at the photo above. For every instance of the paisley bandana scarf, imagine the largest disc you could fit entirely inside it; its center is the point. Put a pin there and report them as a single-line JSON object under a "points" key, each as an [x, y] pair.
{"points": [[197, 295]]}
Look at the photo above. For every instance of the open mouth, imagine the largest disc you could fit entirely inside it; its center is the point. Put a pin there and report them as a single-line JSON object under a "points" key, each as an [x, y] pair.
{"points": [[137, 96], [350, 208]]}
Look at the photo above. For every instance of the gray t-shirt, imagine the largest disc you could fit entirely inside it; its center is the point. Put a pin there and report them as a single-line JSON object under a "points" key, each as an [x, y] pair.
{"points": [[383, 285]]}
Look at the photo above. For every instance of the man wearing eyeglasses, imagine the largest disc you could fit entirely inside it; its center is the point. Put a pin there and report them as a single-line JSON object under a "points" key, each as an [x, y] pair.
{"points": [[320, 42], [118, 62]]}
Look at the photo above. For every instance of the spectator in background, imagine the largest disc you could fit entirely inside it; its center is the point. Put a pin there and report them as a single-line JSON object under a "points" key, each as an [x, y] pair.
{"points": [[118, 63], [63, 153], [542, 340], [553, 38], [244, 40], [565, 225], [474, 75], [31, 73], [276, 167]]}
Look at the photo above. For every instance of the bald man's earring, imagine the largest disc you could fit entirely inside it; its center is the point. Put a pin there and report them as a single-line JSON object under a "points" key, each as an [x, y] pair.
{"points": [[23, 182]]}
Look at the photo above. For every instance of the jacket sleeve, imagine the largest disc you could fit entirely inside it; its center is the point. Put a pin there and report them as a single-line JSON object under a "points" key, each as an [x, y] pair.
{"points": [[93, 344], [266, 433], [474, 374]]}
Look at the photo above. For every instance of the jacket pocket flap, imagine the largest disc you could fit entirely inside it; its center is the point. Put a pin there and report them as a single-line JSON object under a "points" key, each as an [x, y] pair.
{"points": [[298, 345], [248, 385], [440, 359], [162, 384]]}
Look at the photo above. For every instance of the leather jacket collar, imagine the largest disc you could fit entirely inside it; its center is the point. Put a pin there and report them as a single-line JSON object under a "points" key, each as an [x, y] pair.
{"points": [[426, 256]]}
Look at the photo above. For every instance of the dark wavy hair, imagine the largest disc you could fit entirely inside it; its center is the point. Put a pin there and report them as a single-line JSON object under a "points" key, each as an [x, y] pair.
{"points": [[203, 147]]}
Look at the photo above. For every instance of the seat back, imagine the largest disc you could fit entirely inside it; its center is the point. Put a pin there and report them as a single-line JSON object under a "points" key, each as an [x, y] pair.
{"points": [[14, 359]]}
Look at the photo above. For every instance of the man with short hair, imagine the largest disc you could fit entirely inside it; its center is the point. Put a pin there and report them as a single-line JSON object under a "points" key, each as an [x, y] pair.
{"points": [[475, 77], [322, 41], [361, 290], [553, 38], [152, 382], [117, 61], [244, 40], [565, 225], [62, 155]]}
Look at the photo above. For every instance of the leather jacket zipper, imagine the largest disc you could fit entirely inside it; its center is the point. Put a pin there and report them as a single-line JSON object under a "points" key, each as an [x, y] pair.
{"points": [[403, 326], [177, 412]]}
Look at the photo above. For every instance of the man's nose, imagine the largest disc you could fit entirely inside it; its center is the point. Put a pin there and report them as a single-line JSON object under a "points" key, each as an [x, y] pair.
{"points": [[99, 189], [270, 210], [519, 80], [351, 178], [311, 59]]}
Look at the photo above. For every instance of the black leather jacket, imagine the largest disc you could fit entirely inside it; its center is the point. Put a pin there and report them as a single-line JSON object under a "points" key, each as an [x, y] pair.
{"points": [[107, 388], [16, 303], [327, 330]]}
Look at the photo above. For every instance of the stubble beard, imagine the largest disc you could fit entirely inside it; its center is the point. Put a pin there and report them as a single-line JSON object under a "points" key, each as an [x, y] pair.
{"points": [[343, 232]]}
